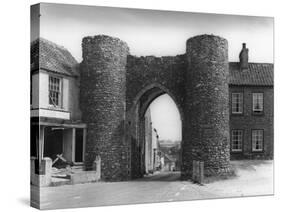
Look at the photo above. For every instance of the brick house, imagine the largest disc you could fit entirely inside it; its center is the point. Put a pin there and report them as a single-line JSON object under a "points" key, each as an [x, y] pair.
{"points": [[251, 115], [57, 127]]}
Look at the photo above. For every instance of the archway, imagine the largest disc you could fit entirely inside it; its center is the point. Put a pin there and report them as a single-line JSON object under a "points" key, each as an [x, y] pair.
{"points": [[152, 151]]}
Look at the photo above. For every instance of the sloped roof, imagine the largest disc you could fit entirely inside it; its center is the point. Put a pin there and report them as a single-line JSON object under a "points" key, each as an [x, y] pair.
{"points": [[258, 74], [52, 58]]}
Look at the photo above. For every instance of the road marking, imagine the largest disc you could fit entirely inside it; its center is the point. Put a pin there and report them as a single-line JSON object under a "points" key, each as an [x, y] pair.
{"points": [[183, 188], [177, 194], [170, 200]]}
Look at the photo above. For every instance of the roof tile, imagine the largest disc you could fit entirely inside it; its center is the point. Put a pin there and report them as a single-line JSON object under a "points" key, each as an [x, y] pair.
{"points": [[260, 74], [49, 56]]}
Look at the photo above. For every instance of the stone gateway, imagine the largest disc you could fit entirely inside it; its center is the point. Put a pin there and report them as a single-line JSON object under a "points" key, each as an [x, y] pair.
{"points": [[116, 88]]}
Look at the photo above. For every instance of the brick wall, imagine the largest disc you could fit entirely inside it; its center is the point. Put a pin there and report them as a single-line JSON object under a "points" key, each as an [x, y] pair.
{"points": [[247, 121]]}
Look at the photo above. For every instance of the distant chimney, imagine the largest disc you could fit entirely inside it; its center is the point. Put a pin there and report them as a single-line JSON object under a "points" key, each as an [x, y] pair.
{"points": [[244, 57]]}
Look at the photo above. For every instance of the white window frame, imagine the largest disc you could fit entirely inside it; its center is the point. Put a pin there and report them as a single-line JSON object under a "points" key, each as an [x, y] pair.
{"points": [[258, 99], [257, 140], [237, 102], [59, 105], [236, 136]]}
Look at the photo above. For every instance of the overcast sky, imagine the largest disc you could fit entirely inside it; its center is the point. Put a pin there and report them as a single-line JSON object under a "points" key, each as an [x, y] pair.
{"points": [[166, 118], [151, 32]]}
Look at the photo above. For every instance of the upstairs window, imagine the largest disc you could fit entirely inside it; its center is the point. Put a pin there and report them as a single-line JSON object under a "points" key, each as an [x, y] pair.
{"points": [[258, 103], [237, 103], [257, 140], [54, 91], [236, 140]]}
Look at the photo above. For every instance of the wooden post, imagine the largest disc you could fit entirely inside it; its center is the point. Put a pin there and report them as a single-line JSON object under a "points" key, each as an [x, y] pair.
{"points": [[40, 149], [73, 144], [198, 171], [98, 166], [41, 143]]}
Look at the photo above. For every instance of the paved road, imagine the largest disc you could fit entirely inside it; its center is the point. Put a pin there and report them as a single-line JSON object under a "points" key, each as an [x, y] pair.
{"points": [[252, 179], [156, 188], [162, 176]]}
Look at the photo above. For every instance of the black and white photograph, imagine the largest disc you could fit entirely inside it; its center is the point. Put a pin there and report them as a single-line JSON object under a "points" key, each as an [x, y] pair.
{"points": [[131, 106]]}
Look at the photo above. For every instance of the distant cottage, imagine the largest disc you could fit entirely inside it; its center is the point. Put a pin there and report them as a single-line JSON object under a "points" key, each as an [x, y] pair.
{"points": [[97, 107]]}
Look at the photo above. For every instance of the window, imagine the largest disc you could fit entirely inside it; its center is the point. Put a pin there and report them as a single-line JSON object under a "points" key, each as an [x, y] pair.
{"points": [[54, 91], [257, 102], [236, 140], [237, 103], [257, 140]]}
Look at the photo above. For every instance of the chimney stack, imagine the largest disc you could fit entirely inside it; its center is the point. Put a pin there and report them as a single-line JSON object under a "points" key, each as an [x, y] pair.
{"points": [[244, 57]]}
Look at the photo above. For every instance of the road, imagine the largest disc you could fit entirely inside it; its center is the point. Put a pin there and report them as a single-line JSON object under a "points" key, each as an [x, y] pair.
{"points": [[162, 176], [161, 187]]}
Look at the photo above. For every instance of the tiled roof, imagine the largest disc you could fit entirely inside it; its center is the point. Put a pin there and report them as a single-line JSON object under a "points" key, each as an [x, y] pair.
{"points": [[260, 74], [52, 58]]}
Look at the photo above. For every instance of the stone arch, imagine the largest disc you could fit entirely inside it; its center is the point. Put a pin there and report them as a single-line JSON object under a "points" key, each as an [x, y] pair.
{"points": [[161, 90], [140, 104]]}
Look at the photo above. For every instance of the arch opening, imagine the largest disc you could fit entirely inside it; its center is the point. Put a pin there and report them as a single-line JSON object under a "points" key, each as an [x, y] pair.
{"points": [[159, 135]]}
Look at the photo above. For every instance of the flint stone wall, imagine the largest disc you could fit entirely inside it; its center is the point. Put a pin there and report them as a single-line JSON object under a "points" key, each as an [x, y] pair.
{"points": [[103, 96], [207, 128], [117, 87]]}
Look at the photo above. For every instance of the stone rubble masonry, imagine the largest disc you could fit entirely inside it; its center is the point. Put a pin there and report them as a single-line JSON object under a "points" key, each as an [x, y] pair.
{"points": [[206, 136], [103, 81], [147, 78], [116, 88]]}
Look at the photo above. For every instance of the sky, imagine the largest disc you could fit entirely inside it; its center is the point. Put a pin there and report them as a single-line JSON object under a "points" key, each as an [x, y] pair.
{"points": [[168, 125], [159, 33], [152, 32]]}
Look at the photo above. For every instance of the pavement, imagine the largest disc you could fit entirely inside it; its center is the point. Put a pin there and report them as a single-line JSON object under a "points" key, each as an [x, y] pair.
{"points": [[252, 178]]}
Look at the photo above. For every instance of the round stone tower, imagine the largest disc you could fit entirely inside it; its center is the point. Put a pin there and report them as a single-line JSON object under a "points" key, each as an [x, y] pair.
{"points": [[102, 97], [206, 136]]}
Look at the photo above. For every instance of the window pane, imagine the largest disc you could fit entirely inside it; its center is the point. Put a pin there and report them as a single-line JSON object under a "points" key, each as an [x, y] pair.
{"points": [[237, 102], [257, 102], [54, 91], [257, 140], [236, 138]]}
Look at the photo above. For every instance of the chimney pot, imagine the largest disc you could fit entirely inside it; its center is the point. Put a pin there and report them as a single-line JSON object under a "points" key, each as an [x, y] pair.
{"points": [[244, 57]]}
